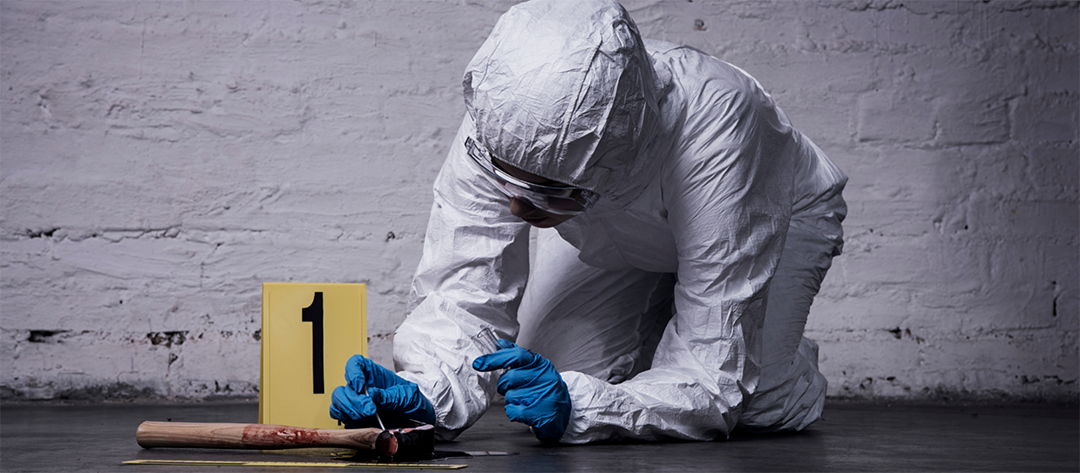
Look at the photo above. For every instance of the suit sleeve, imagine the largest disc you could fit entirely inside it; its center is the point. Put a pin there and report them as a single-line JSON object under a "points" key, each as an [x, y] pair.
{"points": [[471, 276]]}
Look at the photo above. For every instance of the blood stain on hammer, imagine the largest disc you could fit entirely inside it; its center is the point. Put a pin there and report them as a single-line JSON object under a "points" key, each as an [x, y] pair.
{"points": [[282, 436]]}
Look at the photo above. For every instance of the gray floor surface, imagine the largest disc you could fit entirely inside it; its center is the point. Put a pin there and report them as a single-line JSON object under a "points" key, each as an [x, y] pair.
{"points": [[850, 437]]}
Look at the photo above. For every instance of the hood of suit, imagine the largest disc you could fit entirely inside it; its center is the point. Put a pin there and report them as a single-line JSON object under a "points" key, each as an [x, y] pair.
{"points": [[566, 90]]}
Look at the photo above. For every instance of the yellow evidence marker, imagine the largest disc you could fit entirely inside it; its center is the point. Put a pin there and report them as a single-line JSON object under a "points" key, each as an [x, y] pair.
{"points": [[309, 332]]}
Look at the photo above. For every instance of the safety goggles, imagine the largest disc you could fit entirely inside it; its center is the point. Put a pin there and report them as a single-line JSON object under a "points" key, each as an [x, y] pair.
{"points": [[562, 200]]}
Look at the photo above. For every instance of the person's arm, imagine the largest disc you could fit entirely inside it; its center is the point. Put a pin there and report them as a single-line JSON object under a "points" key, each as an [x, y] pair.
{"points": [[471, 275], [728, 196]]}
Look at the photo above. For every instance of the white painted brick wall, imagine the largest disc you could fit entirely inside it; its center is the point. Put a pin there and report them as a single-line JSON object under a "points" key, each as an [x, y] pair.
{"points": [[162, 159]]}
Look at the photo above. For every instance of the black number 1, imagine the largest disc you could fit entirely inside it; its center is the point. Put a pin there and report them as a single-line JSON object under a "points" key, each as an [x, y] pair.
{"points": [[314, 314]]}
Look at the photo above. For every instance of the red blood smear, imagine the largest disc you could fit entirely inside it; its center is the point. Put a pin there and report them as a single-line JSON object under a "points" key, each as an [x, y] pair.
{"points": [[261, 435]]}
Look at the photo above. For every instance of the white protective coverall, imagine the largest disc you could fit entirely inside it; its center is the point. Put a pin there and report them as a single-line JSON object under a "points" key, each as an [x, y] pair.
{"points": [[675, 307]]}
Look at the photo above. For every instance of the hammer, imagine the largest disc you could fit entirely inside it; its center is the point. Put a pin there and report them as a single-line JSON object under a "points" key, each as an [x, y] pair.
{"points": [[416, 443]]}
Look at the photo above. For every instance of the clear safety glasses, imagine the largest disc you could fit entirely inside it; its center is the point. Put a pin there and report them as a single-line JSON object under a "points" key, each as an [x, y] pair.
{"points": [[562, 200]]}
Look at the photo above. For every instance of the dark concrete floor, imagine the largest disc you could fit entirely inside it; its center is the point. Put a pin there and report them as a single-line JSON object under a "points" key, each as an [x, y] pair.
{"points": [[850, 437]]}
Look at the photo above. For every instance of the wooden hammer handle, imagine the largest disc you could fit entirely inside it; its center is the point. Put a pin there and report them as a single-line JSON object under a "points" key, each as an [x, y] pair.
{"points": [[252, 436]]}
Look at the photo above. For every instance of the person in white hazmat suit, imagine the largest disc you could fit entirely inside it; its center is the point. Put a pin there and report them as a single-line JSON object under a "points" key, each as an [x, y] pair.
{"points": [[685, 228]]}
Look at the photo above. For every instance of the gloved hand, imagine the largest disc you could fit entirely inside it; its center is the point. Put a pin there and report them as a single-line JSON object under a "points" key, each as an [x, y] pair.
{"points": [[395, 398], [535, 393]]}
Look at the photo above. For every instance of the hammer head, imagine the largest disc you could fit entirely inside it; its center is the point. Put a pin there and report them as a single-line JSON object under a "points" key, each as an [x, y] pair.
{"points": [[406, 444]]}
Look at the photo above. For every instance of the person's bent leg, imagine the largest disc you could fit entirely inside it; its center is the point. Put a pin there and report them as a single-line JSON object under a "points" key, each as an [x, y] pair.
{"points": [[791, 392], [599, 322]]}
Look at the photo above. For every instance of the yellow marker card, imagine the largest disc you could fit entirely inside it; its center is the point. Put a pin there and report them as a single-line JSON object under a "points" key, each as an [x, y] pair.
{"points": [[309, 332]]}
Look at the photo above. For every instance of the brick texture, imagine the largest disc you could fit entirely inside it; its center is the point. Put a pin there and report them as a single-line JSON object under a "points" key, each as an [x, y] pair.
{"points": [[160, 160]]}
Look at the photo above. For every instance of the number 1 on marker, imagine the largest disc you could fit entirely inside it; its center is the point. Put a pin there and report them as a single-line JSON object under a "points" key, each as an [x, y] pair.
{"points": [[314, 314]]}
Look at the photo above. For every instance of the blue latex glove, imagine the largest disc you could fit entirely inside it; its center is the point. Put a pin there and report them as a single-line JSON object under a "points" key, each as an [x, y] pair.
{"points": [[535, 393], [395, 398]]}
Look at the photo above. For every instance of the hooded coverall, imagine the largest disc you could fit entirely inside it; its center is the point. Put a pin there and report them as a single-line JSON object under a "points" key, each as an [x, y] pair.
{"points": [[675, 307]]}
